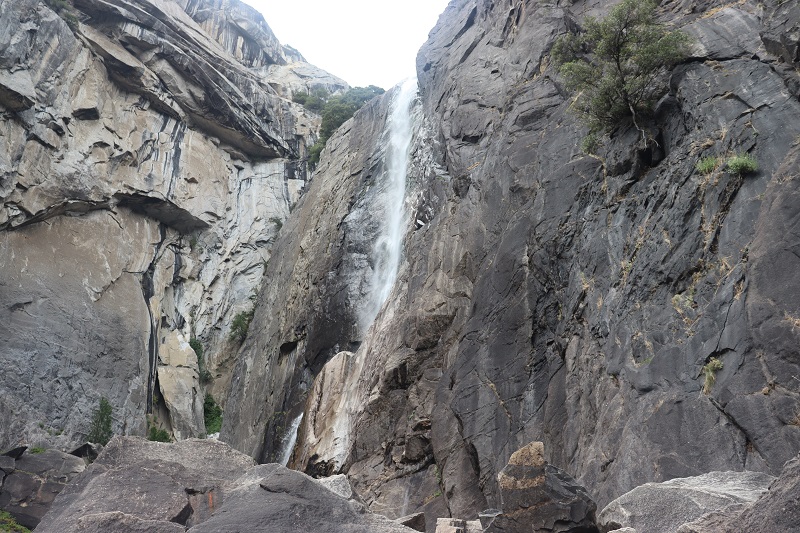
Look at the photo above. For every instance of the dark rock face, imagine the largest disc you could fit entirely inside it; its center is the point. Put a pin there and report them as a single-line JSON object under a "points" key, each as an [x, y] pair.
{"points": [[548, 295], [29, 484], [541, 498], [778, 509], [200, 485]]}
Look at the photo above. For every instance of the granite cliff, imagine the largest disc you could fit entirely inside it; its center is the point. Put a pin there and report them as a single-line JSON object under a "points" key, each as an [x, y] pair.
{"points": [[150, 151], [543, 294]]}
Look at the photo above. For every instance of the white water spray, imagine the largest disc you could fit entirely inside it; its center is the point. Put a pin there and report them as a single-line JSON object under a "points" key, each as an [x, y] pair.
{"points": [[289, 440], [387, 250]]}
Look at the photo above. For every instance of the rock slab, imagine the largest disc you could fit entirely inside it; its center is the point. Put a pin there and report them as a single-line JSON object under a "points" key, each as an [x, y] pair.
{"points": [[778, 509], [201, 486], [33, 480], [666, 506]]}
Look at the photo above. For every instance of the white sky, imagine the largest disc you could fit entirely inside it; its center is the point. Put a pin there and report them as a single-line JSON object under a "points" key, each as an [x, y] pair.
{"points": [[364, 42]]}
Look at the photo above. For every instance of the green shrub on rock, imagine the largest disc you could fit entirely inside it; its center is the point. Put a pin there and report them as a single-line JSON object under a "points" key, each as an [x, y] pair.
{"points": [[707, 165], [741, 164], [9, 525], [240, 325], [335, 111], [212, 414], [203, 373], [710, 370], [64, 9], [154, 433], [616, 64]]}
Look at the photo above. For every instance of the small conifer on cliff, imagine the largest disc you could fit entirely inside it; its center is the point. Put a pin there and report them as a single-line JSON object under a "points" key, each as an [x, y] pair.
{"points": [[616, 65]]}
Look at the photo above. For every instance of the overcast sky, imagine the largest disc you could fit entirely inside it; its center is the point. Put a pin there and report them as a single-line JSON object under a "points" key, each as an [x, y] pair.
{"points": [[364, 42]]}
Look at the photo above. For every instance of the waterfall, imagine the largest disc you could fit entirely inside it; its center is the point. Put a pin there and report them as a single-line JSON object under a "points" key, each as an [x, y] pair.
{"points": [[289, 440], [390, 212]]}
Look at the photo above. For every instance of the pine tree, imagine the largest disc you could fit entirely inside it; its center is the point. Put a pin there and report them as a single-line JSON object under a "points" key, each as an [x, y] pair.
{"points": [[616, 65], [101, 431]]}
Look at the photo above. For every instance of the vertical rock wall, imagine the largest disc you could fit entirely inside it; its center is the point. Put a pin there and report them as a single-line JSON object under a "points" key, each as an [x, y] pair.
{"points": [[546, 294], [146, 164]]}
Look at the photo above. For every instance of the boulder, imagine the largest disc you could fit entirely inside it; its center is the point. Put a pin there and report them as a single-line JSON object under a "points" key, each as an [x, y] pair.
{"points": [[33, 482], [202, 486], [87, 451], [415, 521], [666, 506], [154, 483], [6, 464], [778, 509], [339, 485], [539, 497], [271, 498]]}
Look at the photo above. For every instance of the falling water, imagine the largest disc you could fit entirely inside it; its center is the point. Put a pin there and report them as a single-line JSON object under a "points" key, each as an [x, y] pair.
{"points": [[289, 440], [388, 246]]}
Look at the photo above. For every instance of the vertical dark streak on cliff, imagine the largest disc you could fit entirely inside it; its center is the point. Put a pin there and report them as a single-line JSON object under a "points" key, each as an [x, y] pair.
{"points": [[178, 133], [148, 290]]}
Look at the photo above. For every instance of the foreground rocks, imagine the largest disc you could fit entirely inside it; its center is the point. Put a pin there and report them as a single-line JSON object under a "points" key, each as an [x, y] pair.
{"points": [[666, 506], [31, 479], [201, 486], [778, 509]]}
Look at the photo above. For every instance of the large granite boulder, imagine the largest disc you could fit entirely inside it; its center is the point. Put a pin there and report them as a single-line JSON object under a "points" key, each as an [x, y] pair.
{"points": [[155, 482], [29, 484], [273, 499], [540, 498], [202, 486], [666, 506], [778, 509]]}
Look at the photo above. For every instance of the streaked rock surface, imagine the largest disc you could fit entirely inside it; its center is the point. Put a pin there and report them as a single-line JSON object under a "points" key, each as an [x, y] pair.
{"points": [[147, 159], [545, 295]]}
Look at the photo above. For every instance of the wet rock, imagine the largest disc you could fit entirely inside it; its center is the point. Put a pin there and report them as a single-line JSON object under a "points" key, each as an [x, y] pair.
{"points": [[320, 318], [666, 506], [31, 485]]}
